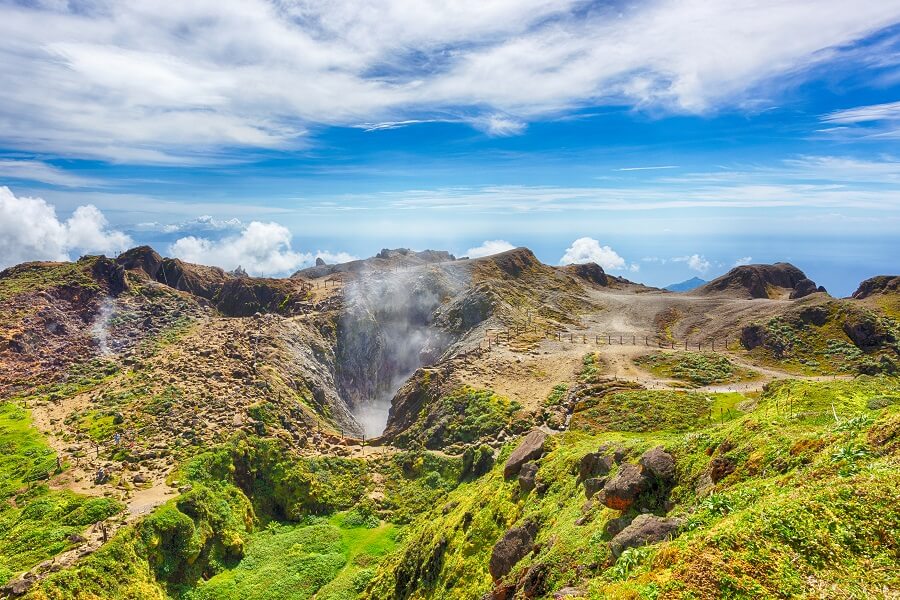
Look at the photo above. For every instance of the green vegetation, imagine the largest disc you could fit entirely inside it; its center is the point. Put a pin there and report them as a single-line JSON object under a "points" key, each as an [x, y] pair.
{"points": [[816, 341], [654, 410], [36, 277], [810, 499], [590, 367], [35, 522], [695, 368], [556, 396], [326, 559], [462, 417], [810, 508]]}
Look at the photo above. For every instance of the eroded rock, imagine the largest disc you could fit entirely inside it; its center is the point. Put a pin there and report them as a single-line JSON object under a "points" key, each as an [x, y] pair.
{"points": [[512, 547], [659, 463], [645, 529], [531, 448], [620, 492]]}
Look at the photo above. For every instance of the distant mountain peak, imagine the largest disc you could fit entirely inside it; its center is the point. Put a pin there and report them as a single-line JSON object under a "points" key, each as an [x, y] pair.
{"points": [[687, 285]]}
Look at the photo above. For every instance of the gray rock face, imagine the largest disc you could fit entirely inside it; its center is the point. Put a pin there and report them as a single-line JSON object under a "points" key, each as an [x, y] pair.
{"points": [[593, 485], [659, 463], [526, 477], [531, 448], [803, 288], [594, 464], [513, 547], [620, 492], [645, 529]]}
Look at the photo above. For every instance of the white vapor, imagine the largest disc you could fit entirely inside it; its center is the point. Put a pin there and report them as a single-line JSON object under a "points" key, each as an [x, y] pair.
{"points": [[489, 247], [261, 249], [744, 260], [584, 250], [30, 230]]}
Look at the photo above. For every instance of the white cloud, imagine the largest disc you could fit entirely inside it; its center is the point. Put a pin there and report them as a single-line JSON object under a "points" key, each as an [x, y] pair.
{"points": [[145, 82], [695, 262], [35, 170], [863, 114], [261, 249], [744, 260], [489, 247], [659, 168], [584, 250], [30, 230], [499, 125]]}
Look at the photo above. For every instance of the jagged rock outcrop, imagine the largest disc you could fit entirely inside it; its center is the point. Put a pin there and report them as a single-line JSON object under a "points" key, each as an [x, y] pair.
{"points": [[233, 294], [804, 288], [645, 529], [512, 547], [141, 258], [758, 281], [621, 490], [590, 272], [881, 284], [530, 448]]}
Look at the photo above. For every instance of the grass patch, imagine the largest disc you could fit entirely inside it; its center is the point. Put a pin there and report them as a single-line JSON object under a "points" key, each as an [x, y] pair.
{"points": [[695, 368], [462, 417], [654, 410], [35, 522]]}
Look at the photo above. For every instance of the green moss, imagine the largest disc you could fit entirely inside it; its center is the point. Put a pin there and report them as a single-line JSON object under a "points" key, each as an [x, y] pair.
{"points": [[654, 410], [464, 416], [812, 504], [35, 522], [35, 277], [696, 368]]}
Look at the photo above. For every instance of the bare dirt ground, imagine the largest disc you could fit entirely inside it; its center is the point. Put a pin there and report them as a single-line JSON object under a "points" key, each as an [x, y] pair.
{"points": [[627, 325]]}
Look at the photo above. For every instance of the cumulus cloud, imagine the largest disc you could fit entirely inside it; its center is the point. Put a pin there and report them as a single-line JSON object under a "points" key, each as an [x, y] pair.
{"points": [[30, 230], [489, 247], [584, 250], [130, 82], [695, 262], [744, 260], [261, 249]]}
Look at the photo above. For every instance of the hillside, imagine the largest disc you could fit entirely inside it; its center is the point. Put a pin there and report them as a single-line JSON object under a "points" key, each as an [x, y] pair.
{"points": [[417, 426]]}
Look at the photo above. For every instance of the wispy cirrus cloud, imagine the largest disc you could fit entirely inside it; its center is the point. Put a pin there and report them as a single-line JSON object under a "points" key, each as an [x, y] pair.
{"points": [[35, 170]]}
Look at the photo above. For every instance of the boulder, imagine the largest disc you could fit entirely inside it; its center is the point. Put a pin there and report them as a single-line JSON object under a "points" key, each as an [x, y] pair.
{"points": [[531, 448], [526, 477], [594, 464], [620, 492], [645, 529], [614, 526], [659, 463], [593, 485], [804, 287], [512, 547]]}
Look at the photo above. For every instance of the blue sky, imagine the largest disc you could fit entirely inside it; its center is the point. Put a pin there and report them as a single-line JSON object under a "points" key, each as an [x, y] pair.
{"points": [[664, 139]]}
